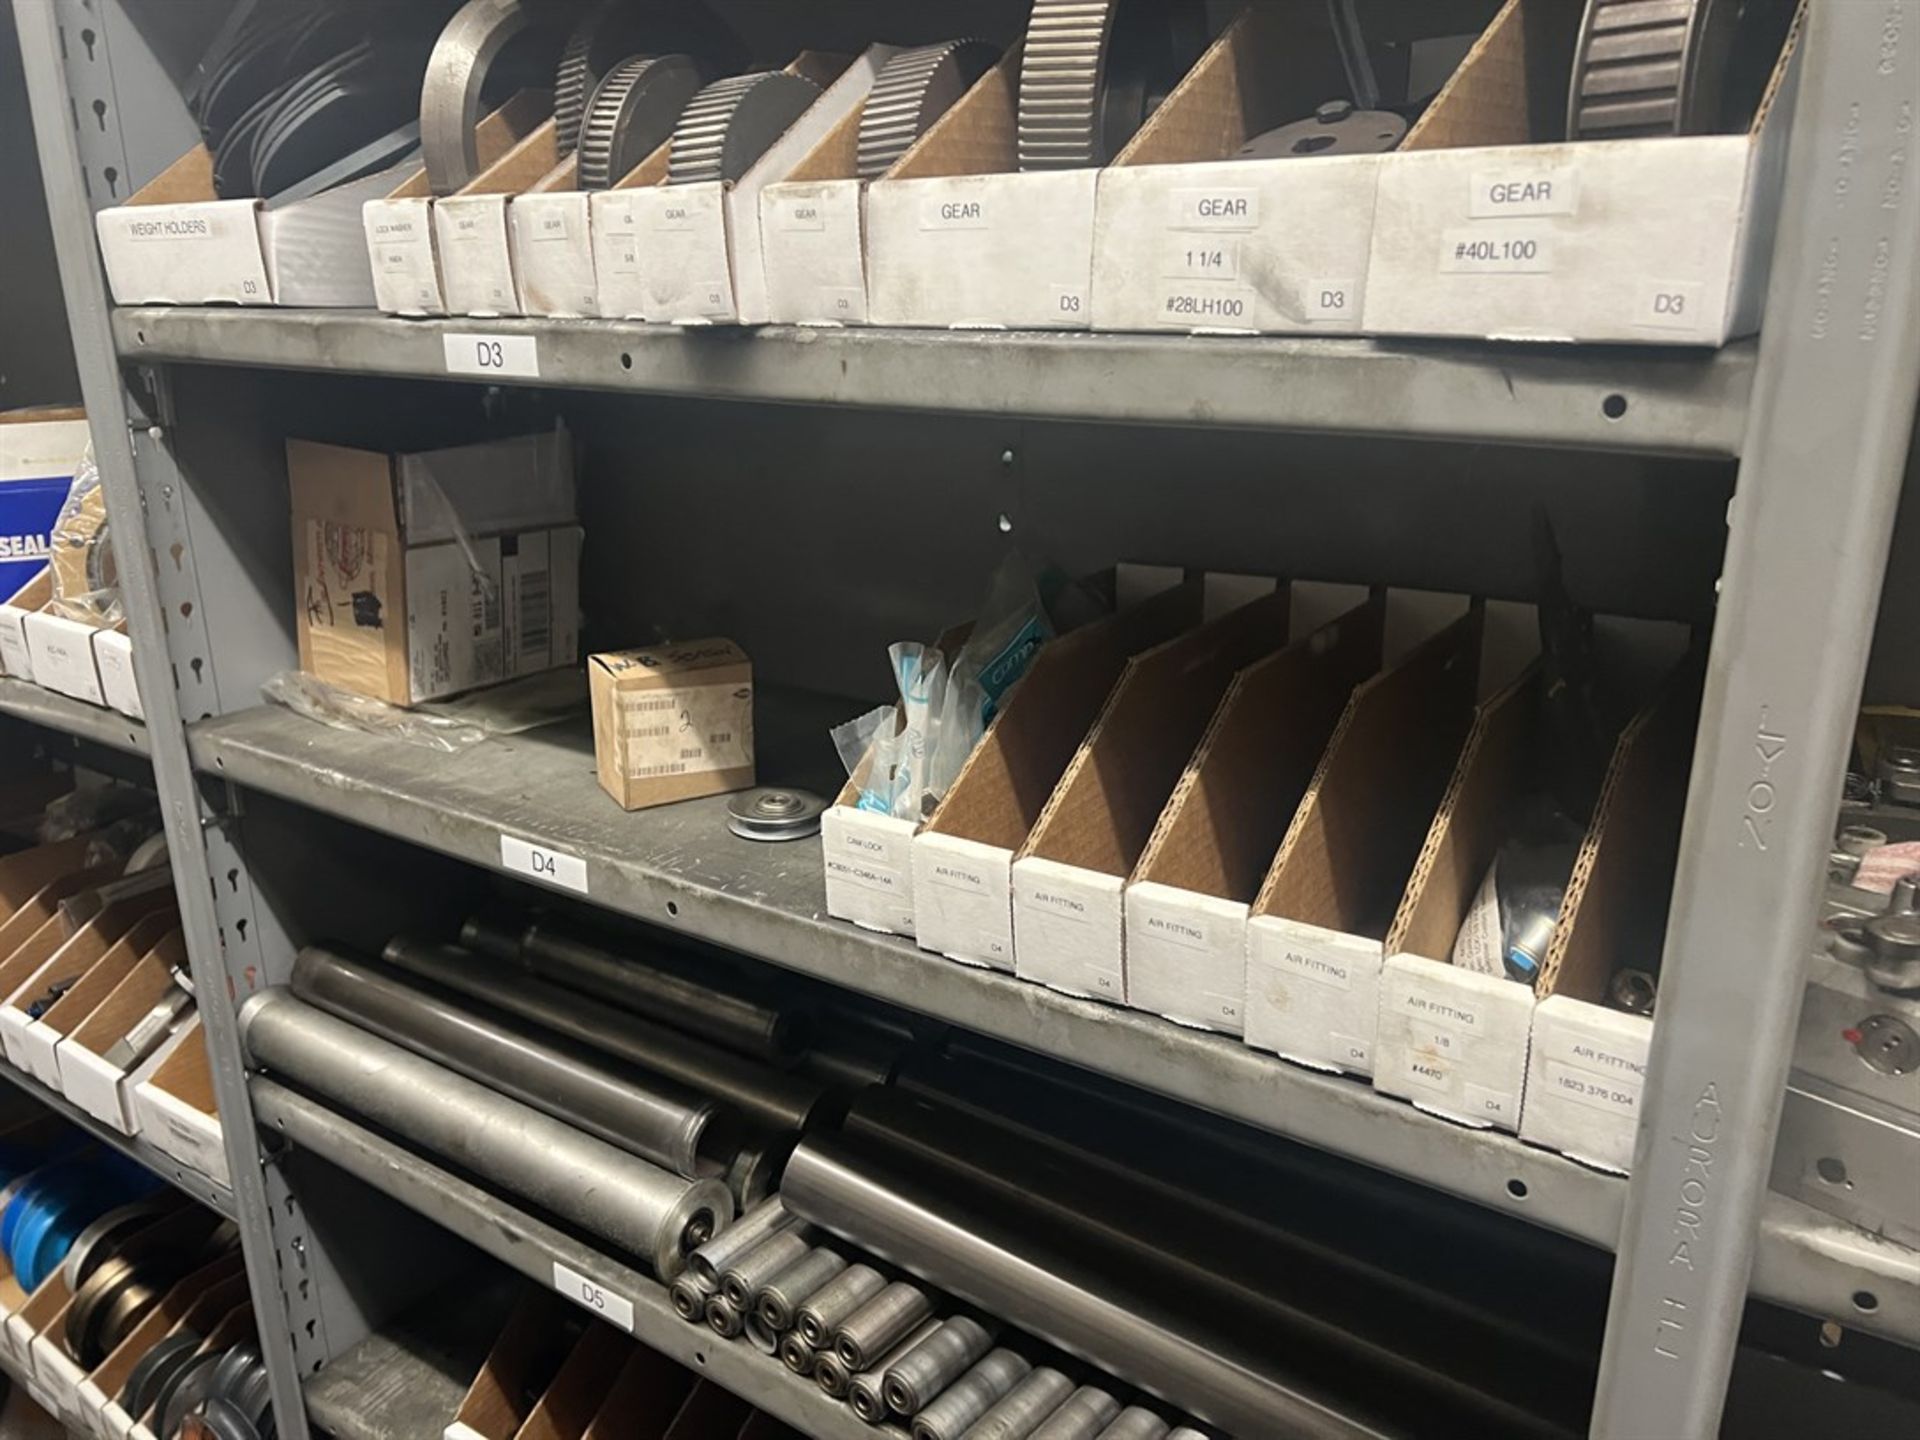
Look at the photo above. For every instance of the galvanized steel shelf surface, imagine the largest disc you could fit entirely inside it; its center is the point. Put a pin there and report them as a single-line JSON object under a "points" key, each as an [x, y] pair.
{"points": [[26, 701], [189, 1181], [1666, 401], [679, 867]]}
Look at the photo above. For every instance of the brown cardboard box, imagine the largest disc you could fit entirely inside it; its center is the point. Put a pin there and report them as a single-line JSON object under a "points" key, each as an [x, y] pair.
{"points": [[672, 722], [422, 575]]}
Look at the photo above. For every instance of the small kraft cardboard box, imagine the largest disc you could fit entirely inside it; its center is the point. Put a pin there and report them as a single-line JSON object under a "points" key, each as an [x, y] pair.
{"points": [[421, 575], [672, 722]]}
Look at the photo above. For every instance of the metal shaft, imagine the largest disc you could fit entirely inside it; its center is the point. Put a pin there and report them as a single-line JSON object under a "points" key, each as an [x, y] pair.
{"points": [[1030, 1277], [711, 1012], [865, 1391], [1185, 1432], [617, 1196], [689, 1297], [880, 1324], [971, 1396], [1136, 1422], [723, 1317], [776, 1301], [762, 1339], [1018, 1413], [772, 1098], [830, 1375], [821, 1315], [740, 1280], [760, 1223], [1087, 1412], [797, 1355], [914, 1379], [656, 1119]]}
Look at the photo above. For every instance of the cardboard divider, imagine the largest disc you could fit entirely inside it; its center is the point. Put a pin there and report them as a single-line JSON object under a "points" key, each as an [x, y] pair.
{"points": [[1068, 877], [470, 227], [1488, 226], [1187, 907], [1586, 1064], [957, 239], [73, 957], [1316, 930], [523, 1362], [174, 1106], [813, 234], [709, 1413], [25, 873], [399, 230], [86, 1077], [15, 658], [570, 1403], [963, 856], [25, 922], [51, 1030], [1188, 237], [643, 1399]]}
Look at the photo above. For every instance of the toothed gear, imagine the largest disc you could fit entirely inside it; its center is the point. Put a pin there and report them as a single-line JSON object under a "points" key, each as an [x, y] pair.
{"points": [[730, 124], [631, 114], [1094, 70], [571, 84], [915, 88], [1650, 67]]}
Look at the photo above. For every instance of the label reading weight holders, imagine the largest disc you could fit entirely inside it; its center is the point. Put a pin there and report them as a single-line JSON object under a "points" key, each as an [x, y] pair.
{"points": [[614, 1309], [554, 867], [515, 357]]}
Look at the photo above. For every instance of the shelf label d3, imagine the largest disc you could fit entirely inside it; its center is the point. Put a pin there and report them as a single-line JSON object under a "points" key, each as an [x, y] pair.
{"points": [[515, 357]]}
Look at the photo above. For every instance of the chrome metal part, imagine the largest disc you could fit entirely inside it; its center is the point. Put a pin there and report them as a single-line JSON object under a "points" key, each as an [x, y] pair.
{"points": [[776, 1301], [774, 814], [866, 1391], [820, 1316], [657, 1120], [971, 1396], [1018, 1413], [1634, 991], [766, 1341], [830, 1375], [1893, 943], [797, 1355], [1888, 1044], [631, 115], [723, 1317], [1899, 774], [880, 1324], [741, 1280], [607, 1191], [689, 1296], [1859, 841], [774, 1098], [1136, 1422], [759, 1224], [456, 74], [1087, 1412], [913, 1381], [730, 124], [101, 1239], [1185, 1432], [1336, 128], [1091, 73], [914, 89]]}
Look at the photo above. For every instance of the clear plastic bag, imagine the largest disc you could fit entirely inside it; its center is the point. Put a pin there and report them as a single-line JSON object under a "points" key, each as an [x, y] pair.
{"points": [[1513, 916], [330, 705], [86, 583]]}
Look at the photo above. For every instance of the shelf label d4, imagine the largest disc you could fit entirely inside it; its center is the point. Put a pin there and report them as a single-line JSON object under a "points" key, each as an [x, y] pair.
{"points": [[542, 863]]}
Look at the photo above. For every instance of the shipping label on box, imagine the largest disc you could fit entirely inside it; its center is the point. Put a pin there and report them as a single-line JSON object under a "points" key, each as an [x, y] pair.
{"points": [[869, 868], [476, 260], [672, 722], [455, 634], [1585, 1072], [1313, 994], [553, 253], [1453, 1042], [1003, 252], [813, 244], [400, 246], [1067, 928], [1187, 956], [963, 899]]}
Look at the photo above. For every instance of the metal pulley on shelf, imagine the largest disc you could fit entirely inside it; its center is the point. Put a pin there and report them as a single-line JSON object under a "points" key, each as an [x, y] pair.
{"points": [[914, 89], [1336, 128], [774, 814], [732, 122], [1093, 71], [1675, 67]]}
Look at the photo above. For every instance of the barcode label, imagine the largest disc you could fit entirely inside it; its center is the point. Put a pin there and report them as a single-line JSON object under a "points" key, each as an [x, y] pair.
{"points": [[648, 732], [536, 611], [674, 767]]}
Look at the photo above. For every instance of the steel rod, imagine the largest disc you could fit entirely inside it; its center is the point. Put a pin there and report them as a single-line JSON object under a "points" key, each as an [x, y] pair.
{"points": [[762, 1222], [658, 1120], [1087, 1412], [865, 1390], [1018, 1413], [617, 1196], [911, 1382], [971, 1396], [777, 1300], [741, 1280]]}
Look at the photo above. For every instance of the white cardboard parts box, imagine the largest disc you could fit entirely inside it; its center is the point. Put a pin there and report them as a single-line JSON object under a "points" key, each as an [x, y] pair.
{"points": [[551, 236], [15, 657], [1186, 910], [1316, 930], [470, 227], [956, 239], [62, 652], [47, 1035], [1189, 238], [101, 1089], [173, 1101], [399, 229], [1067, 879], [1479, 234], [113, 657], [702, 243], [963, 856], [813, 234], [1587, 1062]]}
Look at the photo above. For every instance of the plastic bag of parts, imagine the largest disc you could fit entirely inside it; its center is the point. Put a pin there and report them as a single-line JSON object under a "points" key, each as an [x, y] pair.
{"points": [[1512, 919], [120, 812], [330, 705], [86, 584]]}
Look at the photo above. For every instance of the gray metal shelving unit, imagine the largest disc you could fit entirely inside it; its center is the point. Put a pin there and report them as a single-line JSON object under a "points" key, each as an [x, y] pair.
{"points": [[1818, 414]]}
